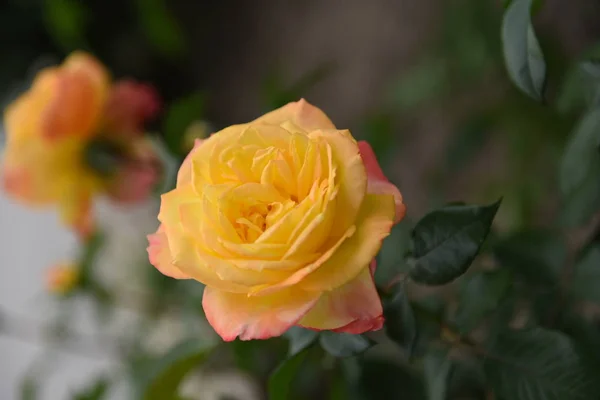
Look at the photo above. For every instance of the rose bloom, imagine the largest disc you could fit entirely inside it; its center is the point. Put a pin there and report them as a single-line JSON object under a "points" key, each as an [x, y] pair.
{"points": [[74, 135], [281, 219]]}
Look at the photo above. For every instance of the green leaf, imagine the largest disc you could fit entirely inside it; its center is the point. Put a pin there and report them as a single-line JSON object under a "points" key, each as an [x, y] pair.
{"points": [[437, 368], [300, 338], [400, 322], [534, 255], [281, 379], [587, 275], [522, 53], [581, 156], [344, 344], [447, 240], [179, 117], [480, 295], [580, 167], [581, 87], [165, 374], [539, 364]]}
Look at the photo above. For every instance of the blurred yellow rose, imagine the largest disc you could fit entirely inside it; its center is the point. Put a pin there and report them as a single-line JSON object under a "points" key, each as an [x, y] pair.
{"points": [[62, 278], [280, 218], [66, 127]]}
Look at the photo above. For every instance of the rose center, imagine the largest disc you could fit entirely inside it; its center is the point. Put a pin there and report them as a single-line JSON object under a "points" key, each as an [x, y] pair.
{"points": [[255, 219]]}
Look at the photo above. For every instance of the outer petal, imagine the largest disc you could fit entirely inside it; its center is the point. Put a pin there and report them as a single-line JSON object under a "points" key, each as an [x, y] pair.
{"points": [[129, 105], [160, 255], [77, 100], [260, 317], [377, 182], [301, 113], [353, 308], [25, 150]]}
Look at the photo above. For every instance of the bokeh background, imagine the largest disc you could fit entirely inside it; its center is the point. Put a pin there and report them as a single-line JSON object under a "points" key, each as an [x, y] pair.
{"points": [[423, 80]]}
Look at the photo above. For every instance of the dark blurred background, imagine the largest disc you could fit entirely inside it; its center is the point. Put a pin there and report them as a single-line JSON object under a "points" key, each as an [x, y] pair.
{"points": [[423, 80]]}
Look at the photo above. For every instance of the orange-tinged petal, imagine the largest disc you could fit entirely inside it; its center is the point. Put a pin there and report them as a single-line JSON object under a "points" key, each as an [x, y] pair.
{"points": [[377, 181], [232, 315], [301, 113], [77, 100], [160, 255], [373, 224], [353, 308]]}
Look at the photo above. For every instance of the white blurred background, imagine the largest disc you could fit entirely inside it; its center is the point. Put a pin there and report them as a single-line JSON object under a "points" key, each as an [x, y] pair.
{"points": [[30, 242]]}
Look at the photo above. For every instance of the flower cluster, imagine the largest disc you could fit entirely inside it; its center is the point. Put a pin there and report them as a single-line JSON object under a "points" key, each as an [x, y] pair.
{"points": [[281, 218], [74, 135]]}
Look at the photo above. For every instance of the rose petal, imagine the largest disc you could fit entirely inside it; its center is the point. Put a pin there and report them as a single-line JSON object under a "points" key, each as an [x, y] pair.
{"points": [[160, 255], [377, 181], [77, 97], [233, 315], [129, 106], [373, 224], [350, 177], [301, 113], [345, 258], [352, 308]]}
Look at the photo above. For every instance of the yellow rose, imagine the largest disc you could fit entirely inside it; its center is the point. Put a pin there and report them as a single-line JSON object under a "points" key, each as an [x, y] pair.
{"points": [[280, 218], [51, 128]]}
